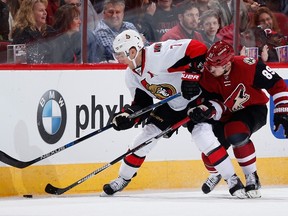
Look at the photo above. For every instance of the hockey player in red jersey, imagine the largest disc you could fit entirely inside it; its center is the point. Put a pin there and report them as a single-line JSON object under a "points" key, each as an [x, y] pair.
{"points": [[156, 72], [237, 83]]}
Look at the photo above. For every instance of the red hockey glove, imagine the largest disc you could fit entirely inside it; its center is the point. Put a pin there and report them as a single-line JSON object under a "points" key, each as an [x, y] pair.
{"points": [[281, 118], [202, 112], [190, 85]]}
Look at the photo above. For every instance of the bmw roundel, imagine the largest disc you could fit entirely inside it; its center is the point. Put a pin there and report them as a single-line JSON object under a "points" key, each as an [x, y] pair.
{"points": [[51, 116]]}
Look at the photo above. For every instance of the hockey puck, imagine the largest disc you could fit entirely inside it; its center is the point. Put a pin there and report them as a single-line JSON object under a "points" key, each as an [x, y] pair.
{"points": [[28, 196]]}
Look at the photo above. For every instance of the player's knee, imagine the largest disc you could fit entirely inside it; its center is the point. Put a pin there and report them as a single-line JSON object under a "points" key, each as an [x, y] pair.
{"points": [[204, 138], [237, 133]]}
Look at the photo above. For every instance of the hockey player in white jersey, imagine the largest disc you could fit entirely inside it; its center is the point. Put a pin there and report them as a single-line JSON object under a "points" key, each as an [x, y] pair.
{"points": [[159, 71]]}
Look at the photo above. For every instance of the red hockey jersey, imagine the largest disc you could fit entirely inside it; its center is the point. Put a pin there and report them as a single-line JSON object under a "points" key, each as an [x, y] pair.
{"points": [[245, 83]]}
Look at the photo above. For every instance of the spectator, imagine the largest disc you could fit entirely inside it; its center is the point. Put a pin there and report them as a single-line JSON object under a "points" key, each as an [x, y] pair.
{"points": [[13, 6], [265, 40], [98, 6], [92, 16], [163, 18], [210, 23], [188, 24], [138, 16], [67, 44], [251, 5], [51, 9], [225, 9], [4, 16], [265, 17], [31, 29], [108, 28], [203, 5]]}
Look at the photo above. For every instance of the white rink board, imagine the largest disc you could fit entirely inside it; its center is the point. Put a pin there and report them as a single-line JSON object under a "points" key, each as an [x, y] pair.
{"points": [[21, 92]]}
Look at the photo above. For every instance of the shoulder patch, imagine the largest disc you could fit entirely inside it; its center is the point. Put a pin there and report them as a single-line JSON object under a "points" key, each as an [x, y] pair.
{"points": [[249, 60], [157, 47]]}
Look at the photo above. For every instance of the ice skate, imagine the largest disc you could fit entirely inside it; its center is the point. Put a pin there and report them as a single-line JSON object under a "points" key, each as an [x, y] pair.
{"points": [[211, 183], [253, 185], [236, 188], [114, 186]]}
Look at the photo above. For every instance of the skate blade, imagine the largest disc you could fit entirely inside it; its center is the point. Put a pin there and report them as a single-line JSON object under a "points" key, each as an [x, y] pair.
{"points": [[103, 194], [241, 194], [254, 194]]}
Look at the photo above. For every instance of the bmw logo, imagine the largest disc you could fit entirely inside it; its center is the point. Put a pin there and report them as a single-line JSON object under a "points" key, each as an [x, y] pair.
{"points": [[51, 116]]}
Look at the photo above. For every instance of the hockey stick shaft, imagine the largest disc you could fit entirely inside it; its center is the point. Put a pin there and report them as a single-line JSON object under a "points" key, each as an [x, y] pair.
{"points": [[152, 106], [7, 159], [58, 191]]}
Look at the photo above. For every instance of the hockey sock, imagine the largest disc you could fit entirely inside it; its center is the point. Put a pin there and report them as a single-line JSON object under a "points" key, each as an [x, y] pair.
{"points": [[130, 165], [221, 161], [246, 157]]}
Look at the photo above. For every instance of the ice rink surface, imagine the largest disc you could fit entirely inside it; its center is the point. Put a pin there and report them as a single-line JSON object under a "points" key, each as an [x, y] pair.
{"points": [[274, 202]]}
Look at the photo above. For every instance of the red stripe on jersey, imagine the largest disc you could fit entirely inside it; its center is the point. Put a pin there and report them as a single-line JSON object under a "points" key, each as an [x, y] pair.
{"points": [[280, 99], [134, 160]]}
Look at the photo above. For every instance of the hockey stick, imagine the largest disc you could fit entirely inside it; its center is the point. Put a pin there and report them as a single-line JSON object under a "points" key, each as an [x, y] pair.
{"points": [[58, 191], [5, 158]]}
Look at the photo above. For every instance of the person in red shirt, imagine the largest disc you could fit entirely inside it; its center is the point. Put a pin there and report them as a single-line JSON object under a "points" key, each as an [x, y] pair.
{"points": [[188, 24], [236, 84]]}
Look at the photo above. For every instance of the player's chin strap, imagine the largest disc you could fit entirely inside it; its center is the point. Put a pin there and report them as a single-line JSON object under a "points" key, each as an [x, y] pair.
{"points": [[134, 60]]}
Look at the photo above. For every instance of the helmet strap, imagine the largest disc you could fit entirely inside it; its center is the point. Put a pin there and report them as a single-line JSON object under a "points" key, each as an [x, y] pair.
{"points": [[134, 60]]}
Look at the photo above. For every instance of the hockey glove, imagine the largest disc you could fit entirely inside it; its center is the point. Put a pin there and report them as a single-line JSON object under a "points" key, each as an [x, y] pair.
{"points": [[121, 120], [281, 118], [202, 112], [190, 85]]}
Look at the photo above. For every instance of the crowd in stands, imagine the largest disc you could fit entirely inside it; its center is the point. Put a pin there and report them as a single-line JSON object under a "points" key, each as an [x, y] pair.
{"points": [[52, 29]]}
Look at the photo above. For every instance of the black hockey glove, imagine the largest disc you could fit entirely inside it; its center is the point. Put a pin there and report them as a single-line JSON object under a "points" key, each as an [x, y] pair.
{"points": [[281, 118], [190, 85], [121, 121], [202, 112]]}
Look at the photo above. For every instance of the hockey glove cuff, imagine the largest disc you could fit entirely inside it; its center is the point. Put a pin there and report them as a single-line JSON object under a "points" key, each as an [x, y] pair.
{"points": [[190, 85], [202, 112], [281, 118]]}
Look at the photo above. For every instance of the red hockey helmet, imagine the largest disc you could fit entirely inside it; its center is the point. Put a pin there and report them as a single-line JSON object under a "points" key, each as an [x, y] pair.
{"points": [[219, 54]]}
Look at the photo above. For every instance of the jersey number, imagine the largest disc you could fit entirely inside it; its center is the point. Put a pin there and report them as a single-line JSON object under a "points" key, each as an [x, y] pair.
{"points": [[268, 73]]}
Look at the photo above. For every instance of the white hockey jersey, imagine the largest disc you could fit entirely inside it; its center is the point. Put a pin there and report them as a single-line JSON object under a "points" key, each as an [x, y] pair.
{"points": [[162, 66]]}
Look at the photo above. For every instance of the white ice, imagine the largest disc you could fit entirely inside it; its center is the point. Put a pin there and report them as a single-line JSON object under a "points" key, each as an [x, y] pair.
{"points": [[274, 202]]}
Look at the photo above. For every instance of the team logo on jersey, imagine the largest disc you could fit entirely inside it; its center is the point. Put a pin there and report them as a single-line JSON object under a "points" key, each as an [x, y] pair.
{"points": [[157, 47], [249, 60], [238, 97], [161, 91], [51, 116]]}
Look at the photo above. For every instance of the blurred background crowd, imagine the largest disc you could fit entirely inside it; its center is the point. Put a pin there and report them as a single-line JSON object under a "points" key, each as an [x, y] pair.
{"points": [[82, 31]]}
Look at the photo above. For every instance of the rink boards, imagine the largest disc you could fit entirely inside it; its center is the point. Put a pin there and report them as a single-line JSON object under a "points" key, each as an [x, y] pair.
{"points": [[85, 97]]}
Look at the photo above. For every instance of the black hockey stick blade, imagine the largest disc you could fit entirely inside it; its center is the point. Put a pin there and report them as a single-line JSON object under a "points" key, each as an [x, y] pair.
{"points": [[53, 190], [5, 158], [58, 191]]}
